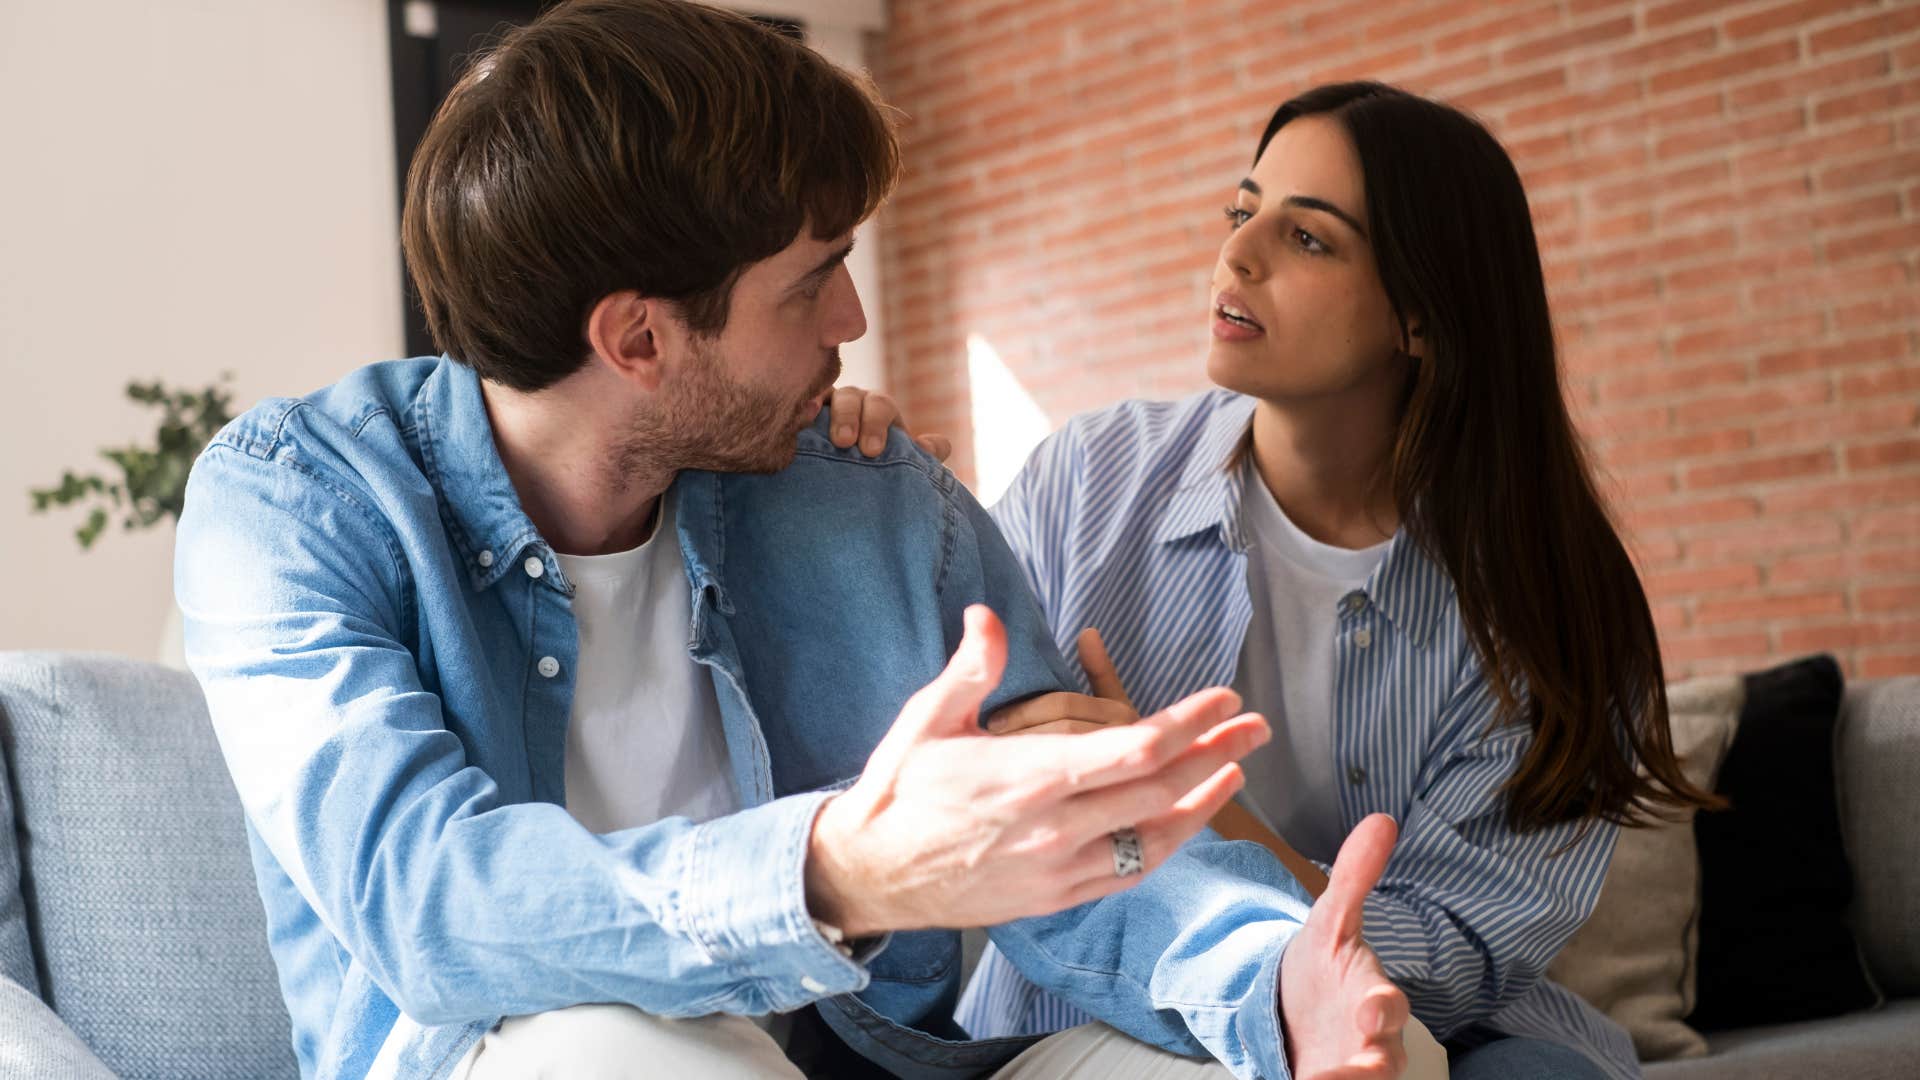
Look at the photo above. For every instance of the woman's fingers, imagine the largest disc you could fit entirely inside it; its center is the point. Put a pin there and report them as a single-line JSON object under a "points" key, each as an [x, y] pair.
{"points": [[1099, 667]]}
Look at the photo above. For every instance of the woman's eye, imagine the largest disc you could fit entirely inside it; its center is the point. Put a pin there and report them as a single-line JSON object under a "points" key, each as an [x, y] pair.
{"points": [[1236, 217], [1309, 242]]}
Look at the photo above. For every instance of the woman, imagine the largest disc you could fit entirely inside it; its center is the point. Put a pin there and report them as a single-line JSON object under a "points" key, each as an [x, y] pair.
{"points": [[1383, 531]]}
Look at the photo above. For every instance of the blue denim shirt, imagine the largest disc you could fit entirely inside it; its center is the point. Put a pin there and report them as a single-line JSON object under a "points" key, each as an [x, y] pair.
{"points": [[387, 648]]}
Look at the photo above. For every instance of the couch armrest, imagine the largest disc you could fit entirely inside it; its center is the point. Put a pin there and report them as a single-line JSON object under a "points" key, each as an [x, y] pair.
{"points": [[39, 1043]]}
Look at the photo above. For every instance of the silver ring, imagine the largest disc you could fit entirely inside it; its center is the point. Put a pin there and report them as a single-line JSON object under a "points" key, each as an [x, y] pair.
{"points": [[1127, 860]]}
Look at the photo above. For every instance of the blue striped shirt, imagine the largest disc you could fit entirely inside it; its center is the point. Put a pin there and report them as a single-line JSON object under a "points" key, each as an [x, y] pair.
{"points": [[1128, 519]]}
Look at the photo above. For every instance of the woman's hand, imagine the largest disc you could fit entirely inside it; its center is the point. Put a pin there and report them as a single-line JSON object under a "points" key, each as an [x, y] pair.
{"points": [[865, 416], [1076, 712], [1067, 713]]}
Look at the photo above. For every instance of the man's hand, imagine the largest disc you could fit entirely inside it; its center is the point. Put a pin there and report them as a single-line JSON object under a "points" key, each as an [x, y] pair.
{"points": [[1343, 1018], [866, 415], [952, 827]]}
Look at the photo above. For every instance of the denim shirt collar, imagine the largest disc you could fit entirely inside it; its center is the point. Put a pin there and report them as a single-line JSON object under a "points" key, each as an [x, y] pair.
{"points": [[477, 500], [490, 531], [1409, 587]]}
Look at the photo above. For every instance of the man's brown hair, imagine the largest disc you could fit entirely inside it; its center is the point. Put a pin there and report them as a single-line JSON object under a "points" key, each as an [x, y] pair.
{"points": [[652, 145]]}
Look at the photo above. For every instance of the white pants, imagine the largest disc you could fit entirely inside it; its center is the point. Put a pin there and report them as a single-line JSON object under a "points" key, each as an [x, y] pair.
{"points": [[615, 1042]]}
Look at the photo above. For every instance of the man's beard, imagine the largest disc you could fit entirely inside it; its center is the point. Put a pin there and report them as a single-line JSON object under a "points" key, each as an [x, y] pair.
{"points": [[718, 424]]}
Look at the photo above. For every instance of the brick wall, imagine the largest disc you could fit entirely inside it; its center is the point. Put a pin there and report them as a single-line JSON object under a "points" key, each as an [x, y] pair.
{"points": [[1728, 201]]}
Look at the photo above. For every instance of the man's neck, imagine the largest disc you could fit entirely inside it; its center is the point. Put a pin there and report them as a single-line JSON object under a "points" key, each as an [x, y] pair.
{"points": [[1326, 463], [575, 479]]}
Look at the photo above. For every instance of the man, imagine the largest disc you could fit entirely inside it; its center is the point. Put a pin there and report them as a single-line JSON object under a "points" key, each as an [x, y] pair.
{"points": [[562, 678]]}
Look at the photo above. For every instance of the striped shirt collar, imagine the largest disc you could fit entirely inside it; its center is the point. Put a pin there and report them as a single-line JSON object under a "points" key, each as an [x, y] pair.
{"points": [[1409, 588]]}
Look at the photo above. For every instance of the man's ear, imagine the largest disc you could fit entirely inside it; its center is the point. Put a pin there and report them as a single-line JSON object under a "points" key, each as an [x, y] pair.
{"points": [[620, 331]]}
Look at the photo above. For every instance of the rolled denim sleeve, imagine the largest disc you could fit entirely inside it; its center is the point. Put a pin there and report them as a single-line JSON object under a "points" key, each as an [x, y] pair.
{"points": [[460, 904], [1188, 960], [1470, 912]]}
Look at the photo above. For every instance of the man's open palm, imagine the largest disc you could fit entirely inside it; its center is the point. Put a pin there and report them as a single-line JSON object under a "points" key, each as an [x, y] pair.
{"points": [[1344, 1018]]}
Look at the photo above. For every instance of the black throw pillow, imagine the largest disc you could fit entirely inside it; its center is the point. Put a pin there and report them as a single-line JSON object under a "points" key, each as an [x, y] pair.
{"points": [[1774, 882]]}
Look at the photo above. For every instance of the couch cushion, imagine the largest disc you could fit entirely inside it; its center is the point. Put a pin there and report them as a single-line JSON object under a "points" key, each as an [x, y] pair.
{"points": [[16, 951], [135, 870], [1878, 756], [37, 1044], [1775, 947], [1634, 957], [1879, 1044]]}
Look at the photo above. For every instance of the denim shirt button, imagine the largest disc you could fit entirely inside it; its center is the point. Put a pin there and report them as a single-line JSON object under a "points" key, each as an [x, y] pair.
{"points": [[534, 566], [485, 559], [548, 667], [812, 985]]}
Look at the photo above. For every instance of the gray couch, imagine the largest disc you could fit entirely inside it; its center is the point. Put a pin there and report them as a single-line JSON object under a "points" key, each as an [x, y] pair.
{"points": [[132, 943]]}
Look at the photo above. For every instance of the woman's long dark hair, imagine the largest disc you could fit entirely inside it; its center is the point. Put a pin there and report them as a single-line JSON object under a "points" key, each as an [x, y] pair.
{"points": [[1488, 474]]}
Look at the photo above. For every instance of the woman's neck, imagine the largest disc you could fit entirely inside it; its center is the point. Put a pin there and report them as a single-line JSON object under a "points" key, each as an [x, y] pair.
{"points": [[1326, 463]]}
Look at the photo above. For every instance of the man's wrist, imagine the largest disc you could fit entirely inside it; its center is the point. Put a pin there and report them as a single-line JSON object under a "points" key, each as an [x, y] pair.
{"points": [[833, 894]]}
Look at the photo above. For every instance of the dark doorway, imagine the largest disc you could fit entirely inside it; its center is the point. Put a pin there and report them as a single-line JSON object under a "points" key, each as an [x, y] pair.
{"points": [[431, 42]]}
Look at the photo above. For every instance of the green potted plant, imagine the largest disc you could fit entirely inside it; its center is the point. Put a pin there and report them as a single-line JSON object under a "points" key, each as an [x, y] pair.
{"points": [[148, 484], [152, 481]]}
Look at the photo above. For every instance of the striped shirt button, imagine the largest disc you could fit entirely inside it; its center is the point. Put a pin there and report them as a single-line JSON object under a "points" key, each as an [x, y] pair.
{"points": [[1356, 601], [1363, 637], [1356, 775]]}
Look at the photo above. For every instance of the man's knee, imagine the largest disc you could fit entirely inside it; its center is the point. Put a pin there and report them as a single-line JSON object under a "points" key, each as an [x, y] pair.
{"points": [[614, 1042]]}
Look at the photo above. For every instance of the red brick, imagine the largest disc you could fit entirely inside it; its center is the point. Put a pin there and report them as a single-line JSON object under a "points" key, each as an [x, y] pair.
{"points": [[1683, 10], [1835, 425], [1673, 380], [1902, 598], [1503, 24], [1585, 102], [1874, 28], [1819, 148], [1769, 608], [1708, 580], [1890, 665], [1863, 102], [1782, 16], [1581, 38], [1883, 455], [1840, 495], [1694, 647], [1748, 333], [1732, 66], [1744, 406], [1692, 512], [1808, 81], [1760, 470], [1829, 285], [1898, 380], [1873, 241], [1819, 358], [1767, 126], [1899, 165], [1672, 448]]}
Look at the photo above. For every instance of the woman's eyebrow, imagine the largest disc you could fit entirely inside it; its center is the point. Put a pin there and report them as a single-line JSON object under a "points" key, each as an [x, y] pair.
{"points": [[1308, 202]]}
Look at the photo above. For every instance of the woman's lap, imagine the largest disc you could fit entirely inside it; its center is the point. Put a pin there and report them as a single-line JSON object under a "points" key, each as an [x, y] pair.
{"points": [[1521, 1058]]}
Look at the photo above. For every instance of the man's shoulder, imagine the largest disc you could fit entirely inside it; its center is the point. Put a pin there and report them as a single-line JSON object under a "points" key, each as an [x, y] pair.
{"points": [[329, 418]]}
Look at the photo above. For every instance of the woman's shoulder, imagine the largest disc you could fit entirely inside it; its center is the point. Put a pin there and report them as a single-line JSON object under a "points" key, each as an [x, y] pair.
{"points": [[1165, 432]]}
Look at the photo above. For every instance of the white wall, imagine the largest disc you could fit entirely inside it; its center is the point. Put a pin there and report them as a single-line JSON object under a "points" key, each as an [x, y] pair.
{"points": [[185, 188]]}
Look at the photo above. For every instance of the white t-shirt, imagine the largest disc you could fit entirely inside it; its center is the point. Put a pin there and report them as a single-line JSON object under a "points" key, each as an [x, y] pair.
{"points": [[644, 740], [1285, 672]]}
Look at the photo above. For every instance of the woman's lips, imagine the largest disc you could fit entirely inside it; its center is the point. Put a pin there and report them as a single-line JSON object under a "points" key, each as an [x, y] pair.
{"points": [[1232, 321]]}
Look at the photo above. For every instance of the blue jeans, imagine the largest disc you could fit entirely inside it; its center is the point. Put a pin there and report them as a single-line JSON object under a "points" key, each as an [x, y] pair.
{"points": [[1518, 1057]]}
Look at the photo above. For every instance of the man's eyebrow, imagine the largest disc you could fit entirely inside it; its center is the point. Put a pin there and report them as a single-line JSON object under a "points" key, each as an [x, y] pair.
{"points": [[1310, 203], [827, 266]]}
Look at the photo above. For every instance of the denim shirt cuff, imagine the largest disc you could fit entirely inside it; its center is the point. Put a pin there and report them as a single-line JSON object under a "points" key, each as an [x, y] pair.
{"points": [[745, 901], [1261, 1032]]}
